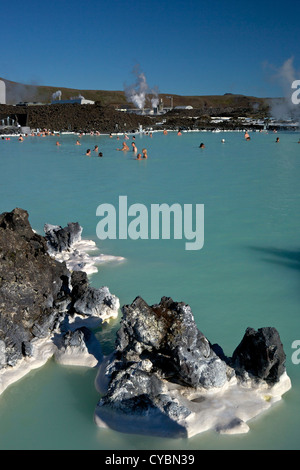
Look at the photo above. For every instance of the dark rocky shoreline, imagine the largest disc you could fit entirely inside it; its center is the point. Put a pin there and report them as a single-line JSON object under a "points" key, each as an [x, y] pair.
{"points": [[92, 118], [74, 118]]}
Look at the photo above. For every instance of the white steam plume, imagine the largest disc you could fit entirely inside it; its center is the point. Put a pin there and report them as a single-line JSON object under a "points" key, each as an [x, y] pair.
{"points": [[76, 97], [138, 92], [283, 108], [56, 95], [154, 99]]}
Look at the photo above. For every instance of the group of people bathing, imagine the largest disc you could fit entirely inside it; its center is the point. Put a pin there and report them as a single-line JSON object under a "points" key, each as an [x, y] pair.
{"points": [[96, 150], [139, 156]]}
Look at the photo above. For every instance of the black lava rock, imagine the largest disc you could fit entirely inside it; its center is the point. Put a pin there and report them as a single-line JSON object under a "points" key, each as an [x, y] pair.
{"points": [[260, 354]]}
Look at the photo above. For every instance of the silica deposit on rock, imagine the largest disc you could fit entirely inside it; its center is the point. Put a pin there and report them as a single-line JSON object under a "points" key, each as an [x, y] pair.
{"points": [[165, 378]]}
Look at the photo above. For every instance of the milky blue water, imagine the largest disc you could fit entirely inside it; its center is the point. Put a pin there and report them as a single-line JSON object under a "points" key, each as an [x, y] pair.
{"points": [[246, 274]]}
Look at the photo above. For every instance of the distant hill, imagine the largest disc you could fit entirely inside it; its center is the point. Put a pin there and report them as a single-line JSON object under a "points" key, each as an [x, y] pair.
{"points": [[18, 92]]}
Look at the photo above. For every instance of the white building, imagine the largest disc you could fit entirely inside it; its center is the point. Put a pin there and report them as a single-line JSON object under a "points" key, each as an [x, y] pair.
{"points": [[2, 92]]}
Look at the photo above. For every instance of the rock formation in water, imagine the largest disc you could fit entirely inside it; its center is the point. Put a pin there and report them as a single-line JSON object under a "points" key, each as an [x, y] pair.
{"points": [[37, 292], [167, 336], [61, 239], [260, 355], [65, 244], [166, 378], [78, 347], [89, 301]]}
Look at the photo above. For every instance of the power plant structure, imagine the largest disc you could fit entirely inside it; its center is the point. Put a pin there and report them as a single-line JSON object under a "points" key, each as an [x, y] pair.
{"points": [[11, 122]]}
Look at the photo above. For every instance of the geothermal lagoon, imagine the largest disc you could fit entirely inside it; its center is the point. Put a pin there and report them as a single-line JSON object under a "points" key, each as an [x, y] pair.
{"points": [[244, 274]]}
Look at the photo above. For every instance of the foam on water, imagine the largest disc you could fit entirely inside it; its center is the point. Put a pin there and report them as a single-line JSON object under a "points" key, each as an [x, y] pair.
{"points": [[79, 257]]}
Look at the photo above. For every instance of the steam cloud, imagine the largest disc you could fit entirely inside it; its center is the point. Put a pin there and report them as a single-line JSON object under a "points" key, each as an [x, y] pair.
{"points": [[76, 97], [283, 108], [155, 99], [18, 92], [56, 95], [138, 92]]}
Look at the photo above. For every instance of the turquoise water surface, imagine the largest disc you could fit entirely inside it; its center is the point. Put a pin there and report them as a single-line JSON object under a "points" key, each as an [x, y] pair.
{"points": [[246, 274]]}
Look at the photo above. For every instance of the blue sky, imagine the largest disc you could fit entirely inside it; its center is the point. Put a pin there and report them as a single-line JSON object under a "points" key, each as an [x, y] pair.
{"points": [[190, 47]]}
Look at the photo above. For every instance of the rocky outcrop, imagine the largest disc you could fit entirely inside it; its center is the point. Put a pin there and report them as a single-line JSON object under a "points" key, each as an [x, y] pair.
{"points": [[65, 244], [61, 239], [167, 336], [34, 289], [92, 302], [166, 378], [78, 348], [37, 292], [260, 355]]}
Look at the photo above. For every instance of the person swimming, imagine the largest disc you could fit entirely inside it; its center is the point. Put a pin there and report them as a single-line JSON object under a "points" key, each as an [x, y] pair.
{"points": [[96, 148], [134, 147], [100, 154], [124, 147], [77, 142], [277, 140], [202, 146], [139, 156], [88, 152], [145, 154]]}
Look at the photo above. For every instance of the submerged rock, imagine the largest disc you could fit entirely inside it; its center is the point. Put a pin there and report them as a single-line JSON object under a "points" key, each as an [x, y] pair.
{"points": [[166, 378]]}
